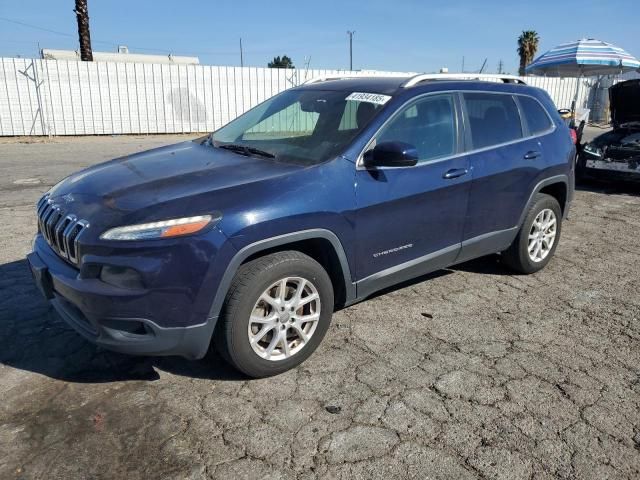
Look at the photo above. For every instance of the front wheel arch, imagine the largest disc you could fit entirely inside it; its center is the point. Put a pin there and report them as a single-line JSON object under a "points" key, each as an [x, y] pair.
{"points": [[339, 272]]}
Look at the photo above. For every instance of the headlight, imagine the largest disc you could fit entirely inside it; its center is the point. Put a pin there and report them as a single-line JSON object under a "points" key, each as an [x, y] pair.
{"points": [[593, 150], [164, 229]]}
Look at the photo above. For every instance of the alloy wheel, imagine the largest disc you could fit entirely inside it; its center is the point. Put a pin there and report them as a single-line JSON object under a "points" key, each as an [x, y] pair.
{"points": [[284, 318], [542, 235]]}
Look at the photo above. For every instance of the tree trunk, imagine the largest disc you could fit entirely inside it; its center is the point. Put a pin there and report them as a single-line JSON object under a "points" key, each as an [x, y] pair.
{"points": [[523, 64], [82, 15]]}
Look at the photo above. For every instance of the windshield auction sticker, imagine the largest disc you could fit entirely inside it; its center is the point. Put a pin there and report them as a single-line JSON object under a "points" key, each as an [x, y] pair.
{"points": [[376, 98]]}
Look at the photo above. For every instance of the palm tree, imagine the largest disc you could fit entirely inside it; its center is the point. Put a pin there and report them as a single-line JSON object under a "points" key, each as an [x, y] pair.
{"points": [[82, 15], [527, 48]]}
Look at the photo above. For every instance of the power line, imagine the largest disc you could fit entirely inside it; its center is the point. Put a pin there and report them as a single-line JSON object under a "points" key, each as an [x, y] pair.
{"points": [[64, 34], [133, 47], [18, 22]]}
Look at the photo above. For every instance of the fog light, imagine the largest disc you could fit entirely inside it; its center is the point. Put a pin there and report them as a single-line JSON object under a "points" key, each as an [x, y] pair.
{"points": [[123, 277], [134, 327]]}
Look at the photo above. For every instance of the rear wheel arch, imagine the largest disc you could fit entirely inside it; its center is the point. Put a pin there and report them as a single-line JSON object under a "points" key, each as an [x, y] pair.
{"points": [[557, 190], [519, 254], [556, 186]]}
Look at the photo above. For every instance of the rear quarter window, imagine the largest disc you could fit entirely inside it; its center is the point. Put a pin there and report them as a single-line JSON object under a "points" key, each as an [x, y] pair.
{"points": [[535, 115], [494, 119]]}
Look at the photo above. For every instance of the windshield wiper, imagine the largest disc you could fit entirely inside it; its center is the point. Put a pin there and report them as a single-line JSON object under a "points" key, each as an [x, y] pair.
{"points": [[247, 151]]}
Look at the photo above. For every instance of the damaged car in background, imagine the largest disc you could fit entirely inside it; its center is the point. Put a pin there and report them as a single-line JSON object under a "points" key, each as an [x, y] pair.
{"points": [[616, 153]]}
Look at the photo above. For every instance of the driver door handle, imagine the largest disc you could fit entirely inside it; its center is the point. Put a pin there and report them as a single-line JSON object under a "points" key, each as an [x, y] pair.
{"points": [[455, 173], [532, 155]]}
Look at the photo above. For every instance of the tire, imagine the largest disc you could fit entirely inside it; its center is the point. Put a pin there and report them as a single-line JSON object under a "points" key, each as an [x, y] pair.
{"points": [[518, 256], [262, 278]]}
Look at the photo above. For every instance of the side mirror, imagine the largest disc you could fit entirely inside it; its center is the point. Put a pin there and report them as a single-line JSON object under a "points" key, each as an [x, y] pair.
{"points": [[391, 154]]}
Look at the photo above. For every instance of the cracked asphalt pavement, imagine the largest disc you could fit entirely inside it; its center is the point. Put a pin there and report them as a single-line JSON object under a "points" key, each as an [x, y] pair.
{"points": [[470, 372]]}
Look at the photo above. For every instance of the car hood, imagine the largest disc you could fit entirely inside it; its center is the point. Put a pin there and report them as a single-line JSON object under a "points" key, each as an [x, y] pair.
{"points": [[624, 100], [162, 182], [619, 137]]}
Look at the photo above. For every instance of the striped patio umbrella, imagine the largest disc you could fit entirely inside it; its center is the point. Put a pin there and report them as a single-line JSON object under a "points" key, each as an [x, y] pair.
{"points": [[583, 58]]}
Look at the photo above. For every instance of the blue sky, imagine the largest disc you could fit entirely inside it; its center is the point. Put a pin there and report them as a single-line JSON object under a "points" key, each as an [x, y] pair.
{"points": [[390, 34]]}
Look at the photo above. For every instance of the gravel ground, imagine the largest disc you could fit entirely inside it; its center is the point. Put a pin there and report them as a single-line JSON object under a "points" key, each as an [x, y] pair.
{"points": [[469, 373]]}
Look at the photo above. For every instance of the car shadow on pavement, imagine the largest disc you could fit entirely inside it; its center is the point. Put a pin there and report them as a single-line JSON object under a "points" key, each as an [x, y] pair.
{"points": [[34, 338], [489, 265], [609, 187]]}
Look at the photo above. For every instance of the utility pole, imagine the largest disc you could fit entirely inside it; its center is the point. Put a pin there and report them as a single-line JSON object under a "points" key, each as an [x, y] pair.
{"points": [[350, 33], [82, 16], [500, 67], [462, 71], [241, 59]]}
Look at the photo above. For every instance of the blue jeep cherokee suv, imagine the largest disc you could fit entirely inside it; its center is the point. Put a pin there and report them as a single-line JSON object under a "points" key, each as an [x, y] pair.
{"points": [[311, 201]]}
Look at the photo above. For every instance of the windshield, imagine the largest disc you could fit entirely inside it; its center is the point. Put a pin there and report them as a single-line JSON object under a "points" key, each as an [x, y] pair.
{"points": [[298, 126]]}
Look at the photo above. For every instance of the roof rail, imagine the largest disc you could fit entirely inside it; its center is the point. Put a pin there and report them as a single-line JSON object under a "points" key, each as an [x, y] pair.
{"points": [[462, 76], [329, 77], [362, 74]]}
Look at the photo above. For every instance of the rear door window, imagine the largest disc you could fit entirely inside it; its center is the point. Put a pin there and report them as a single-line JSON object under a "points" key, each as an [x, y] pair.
{"points": [[535, 115], [493, 119]]}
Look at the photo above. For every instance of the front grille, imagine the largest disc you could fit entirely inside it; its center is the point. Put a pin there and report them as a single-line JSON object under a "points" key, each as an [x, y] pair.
{"points": [[625, 154], [60, 230]]}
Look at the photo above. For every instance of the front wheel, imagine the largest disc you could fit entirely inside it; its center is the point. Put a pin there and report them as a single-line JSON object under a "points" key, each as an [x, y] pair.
{"points": [[276, 313], [538, 237]]}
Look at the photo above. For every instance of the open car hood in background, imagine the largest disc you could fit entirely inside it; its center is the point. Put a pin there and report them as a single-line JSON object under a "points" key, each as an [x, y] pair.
{"points": [[624, 98]]}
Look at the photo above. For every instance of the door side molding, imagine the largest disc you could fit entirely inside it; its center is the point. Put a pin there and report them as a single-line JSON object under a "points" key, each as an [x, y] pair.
{"points": [[487, 244], [406, 271]]}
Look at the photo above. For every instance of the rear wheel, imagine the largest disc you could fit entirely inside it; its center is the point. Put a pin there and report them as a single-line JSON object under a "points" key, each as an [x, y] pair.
{"points": [[276, 313], [538, 237]]}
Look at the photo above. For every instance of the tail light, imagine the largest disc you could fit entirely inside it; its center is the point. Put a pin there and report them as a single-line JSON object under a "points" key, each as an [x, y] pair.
{"points": [[574, 135]]}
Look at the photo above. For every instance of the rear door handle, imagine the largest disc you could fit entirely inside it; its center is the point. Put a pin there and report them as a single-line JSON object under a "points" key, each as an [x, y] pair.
{"points": [[455, 173], [532, 155]]}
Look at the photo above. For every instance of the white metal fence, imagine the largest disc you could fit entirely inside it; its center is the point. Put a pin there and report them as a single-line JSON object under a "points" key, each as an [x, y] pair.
{"points": [[52, 97]]}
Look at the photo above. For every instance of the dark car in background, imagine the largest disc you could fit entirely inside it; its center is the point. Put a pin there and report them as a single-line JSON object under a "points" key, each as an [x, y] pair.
{"points": [[616, 153], [311, 201]]}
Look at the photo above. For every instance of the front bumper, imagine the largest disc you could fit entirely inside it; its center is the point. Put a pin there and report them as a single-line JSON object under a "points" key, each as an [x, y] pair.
{"points": [[612, 170], [622, 167], [110, 316], [622, 175]]}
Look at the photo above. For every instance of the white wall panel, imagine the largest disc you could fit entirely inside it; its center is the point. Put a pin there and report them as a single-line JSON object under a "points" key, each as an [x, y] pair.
{"points": [[49, 97]]}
